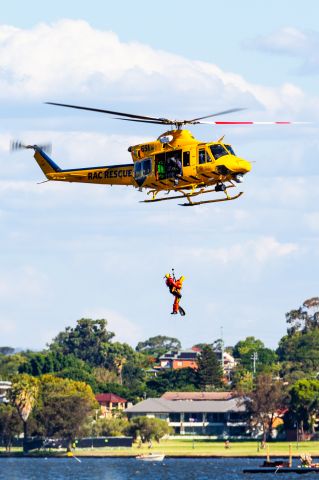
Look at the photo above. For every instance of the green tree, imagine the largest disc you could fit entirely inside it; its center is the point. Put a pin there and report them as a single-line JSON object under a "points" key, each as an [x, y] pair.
{"points": [[209, 370], [10, 424], [183, 379], [148, 428], [24, 394], [304, 403], [10, 365], [300, 352], [110, 427], [244, 350], [89, 341], [158, 345], [65, 407]]}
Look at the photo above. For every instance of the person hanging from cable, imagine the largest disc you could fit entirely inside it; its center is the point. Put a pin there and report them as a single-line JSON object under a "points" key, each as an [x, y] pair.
{"points": [[175, 287]]}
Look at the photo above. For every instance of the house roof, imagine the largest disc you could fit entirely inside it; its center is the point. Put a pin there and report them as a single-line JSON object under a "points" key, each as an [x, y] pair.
{"points": [[109, 397], [180, 355], [161, 405], [197, 395]]}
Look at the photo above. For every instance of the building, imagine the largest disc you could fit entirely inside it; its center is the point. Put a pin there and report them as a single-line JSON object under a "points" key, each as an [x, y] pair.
{"points": [[4, 389], [110, 404], [216, 418], [175, 359]]}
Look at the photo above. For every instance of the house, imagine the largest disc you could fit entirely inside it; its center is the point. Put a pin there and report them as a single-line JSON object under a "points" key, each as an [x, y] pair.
{"points": [[175, 359], [110, 403], [4, 389], [220, 419]]}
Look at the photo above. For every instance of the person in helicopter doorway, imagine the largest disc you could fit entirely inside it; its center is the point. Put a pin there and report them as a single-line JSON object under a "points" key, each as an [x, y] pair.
{"points": [[175, 166], [175, 287]]}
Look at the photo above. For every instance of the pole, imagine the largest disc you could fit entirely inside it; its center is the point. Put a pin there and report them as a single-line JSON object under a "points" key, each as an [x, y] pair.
{"points": [[268, 456], [222, 350], [290, 455]]}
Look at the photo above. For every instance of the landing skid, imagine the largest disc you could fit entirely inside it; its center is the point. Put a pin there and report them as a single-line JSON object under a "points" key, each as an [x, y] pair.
{"points": [[190, 202]]}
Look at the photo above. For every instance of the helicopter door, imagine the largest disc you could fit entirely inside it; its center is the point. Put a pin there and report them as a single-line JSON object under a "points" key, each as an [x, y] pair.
{"points": [[141, 170], [168, 165]]}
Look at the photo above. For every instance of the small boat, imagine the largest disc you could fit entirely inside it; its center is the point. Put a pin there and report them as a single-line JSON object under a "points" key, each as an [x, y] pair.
{"points": [[151, 457]]}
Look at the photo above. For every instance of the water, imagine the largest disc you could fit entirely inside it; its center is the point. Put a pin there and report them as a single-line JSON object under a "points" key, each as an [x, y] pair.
{"points": [[130, 468]]}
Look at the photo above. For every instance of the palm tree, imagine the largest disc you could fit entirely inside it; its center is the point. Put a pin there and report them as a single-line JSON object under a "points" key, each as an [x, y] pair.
{"points": [[24, 393]]}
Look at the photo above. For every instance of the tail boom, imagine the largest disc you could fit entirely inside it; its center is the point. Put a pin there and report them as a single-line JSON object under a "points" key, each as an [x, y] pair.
{"points": [[109, 175]]}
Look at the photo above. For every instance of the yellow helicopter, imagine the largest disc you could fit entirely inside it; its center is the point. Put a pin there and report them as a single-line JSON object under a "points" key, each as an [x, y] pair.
{"points": [[175, 162]]}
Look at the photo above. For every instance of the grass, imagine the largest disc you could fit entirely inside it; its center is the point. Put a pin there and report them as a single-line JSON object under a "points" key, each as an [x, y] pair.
{"points": [[200, 448]]}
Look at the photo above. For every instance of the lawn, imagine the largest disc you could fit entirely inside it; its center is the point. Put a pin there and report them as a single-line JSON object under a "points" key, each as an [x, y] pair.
{"points": [[188, 447], [199, 448]]}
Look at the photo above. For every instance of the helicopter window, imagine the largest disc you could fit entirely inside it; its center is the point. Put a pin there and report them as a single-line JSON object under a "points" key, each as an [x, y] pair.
{"points": [[146, 167], [138, 169], [186, 159], [203, 156], [229, 148], [218, 150]]}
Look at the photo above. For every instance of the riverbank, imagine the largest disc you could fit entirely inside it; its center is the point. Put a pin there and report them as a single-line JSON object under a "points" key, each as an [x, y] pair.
{"points": [[188, 448]]}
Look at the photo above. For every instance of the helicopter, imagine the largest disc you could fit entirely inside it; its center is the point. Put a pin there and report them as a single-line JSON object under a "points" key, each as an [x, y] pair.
{"points": [[175, 163]]}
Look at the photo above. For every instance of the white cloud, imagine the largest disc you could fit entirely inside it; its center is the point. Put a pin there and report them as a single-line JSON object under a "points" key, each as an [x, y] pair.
{"points": [[70, 59], [261, 250], [304, 45]]}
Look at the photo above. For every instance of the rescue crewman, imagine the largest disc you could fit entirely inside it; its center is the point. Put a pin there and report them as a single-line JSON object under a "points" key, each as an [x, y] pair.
{"points": [[175, 287]]}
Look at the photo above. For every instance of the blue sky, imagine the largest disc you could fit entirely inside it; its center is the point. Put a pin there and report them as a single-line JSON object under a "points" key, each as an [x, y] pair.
{"points": [[71, 251]]}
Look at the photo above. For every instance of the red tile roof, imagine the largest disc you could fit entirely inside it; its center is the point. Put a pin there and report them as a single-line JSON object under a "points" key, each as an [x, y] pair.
{"points": [[109, 397]]}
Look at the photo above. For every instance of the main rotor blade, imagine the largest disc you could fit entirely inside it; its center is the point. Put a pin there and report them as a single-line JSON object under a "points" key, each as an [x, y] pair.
{"points": [[217, 114], [168, 122], [254, 123], [100, 110]]}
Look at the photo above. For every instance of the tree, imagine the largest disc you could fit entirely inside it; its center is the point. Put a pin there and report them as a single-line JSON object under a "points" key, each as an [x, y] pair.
{"points": [[209, 370], [65, 407], [300, 352], [148, 428], [10, 424], [264, 401], [6, 350], [304, 402], [89, 341], [157, 346], [304, 318], [244, 350], [24, 394], [183, 379], [10, 364], [110, 427]]}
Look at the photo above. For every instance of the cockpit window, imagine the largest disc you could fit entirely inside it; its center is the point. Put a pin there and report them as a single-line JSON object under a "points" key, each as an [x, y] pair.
{"points": [[229, 148], [147, 167], [203, 156], [218, 150], [142, 168]]}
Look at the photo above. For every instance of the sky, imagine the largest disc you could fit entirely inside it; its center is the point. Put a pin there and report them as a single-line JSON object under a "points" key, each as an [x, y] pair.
{"points": [[69, 251]]}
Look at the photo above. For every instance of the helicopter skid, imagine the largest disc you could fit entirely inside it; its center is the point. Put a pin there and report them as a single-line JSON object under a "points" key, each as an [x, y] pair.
{"points": [[190, 202]]}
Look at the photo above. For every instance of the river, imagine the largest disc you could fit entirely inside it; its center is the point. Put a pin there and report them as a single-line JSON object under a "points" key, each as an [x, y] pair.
{"points": [[130, 468]]}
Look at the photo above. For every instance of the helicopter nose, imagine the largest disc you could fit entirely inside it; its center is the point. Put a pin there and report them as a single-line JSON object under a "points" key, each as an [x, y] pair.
{"points": [[230, 163]]}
